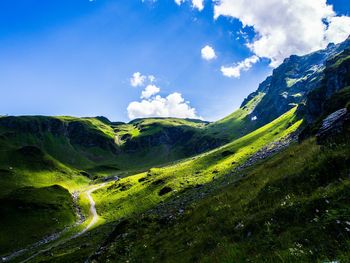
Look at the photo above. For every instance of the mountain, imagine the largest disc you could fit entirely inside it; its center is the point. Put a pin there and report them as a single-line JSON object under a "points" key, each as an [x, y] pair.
{"points": [[96, 145], [288, 86], [336, 78], [288, 205], [268, 183], [99, 146]]}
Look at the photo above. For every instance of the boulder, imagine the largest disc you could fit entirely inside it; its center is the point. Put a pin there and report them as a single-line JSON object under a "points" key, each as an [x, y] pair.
{"points": [[332, 124]]}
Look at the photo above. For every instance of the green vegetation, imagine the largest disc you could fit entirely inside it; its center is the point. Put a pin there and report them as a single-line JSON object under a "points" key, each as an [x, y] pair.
{"points": [[99, 147], [170, 190], [92, 123], [31, 213], [339, 59], [34, 197], [140, 192], [151, 126], [291, 208], [130, 197], [41, 152], [291, 82], [29, 166]]}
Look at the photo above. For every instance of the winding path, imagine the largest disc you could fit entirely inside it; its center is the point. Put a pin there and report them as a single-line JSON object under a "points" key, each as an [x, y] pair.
{"points": [[93, 211], [55, 236]]}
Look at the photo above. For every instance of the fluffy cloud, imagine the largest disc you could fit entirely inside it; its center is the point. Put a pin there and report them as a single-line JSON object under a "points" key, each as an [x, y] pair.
{"points": [[179, 2], [198, 4], [286, 27], [338, 29], [174, 105], [235, 71], [149, 91], [208, 53], [153, 105], [139, 80]]}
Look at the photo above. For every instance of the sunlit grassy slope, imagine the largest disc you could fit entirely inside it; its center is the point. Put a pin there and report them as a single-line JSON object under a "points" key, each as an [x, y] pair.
{"points": [[140, 192], [293, 207], [132, 196], [37, 153]]}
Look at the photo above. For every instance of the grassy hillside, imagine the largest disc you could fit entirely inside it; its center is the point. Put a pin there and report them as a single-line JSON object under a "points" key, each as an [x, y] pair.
{"points": [[142, 191], [78, 143], [100, 147], [45, 159], [291, 208], [172, 187], [34, 197], [161, 140], [188, 190], [31, 213]]}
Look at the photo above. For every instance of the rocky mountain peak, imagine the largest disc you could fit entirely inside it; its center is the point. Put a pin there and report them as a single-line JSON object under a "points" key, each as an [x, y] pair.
{"points": [[291, 82]]}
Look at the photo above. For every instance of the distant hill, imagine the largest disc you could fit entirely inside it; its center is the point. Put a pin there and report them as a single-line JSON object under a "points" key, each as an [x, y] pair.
{"points": [[97, 145]]}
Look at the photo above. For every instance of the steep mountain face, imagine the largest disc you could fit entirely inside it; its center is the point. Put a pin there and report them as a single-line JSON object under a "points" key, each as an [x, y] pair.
{"points": [[292, 81], [336, 78], [288, 86]]}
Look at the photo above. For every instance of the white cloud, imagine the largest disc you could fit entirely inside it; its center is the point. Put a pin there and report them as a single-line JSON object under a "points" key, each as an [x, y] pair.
{"points": [[286, 27], [151, 78], [235, 71], [208, 53], [338, 29], [179, 2], [153, 105], [198, 4], [137, 79], [149, 91], [174, 105]]}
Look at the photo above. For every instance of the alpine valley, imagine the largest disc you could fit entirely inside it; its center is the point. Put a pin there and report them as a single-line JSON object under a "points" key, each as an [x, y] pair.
{"points": [[268, 183]]}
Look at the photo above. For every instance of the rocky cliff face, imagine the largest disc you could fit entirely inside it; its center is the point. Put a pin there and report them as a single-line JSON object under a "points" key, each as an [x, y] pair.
{"points": [[336, 77], [292, 81]]}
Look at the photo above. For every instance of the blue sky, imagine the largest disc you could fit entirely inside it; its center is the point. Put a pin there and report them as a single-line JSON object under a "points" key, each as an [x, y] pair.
{"points": [[77, 57]]}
